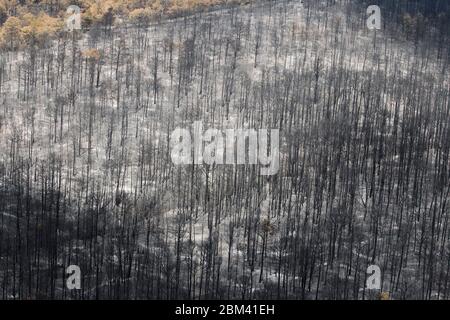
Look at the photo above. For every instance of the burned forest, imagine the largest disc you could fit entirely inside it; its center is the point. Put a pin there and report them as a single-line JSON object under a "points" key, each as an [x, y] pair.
{"points": [[341, 165]]}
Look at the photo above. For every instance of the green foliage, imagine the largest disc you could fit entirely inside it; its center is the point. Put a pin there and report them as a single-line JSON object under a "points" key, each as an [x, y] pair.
{"points": [[10, 33], [37, 29]]}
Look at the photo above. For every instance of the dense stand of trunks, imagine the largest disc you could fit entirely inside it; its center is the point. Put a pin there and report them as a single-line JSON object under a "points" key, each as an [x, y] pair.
{"points": [[86, 176]]}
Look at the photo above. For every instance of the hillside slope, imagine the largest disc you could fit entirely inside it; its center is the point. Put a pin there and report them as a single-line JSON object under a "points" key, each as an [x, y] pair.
{"points": [[86, 176]]}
